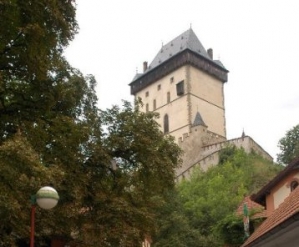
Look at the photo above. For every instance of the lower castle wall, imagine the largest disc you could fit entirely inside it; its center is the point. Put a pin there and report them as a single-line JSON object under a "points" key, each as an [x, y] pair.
{"points": [[199, 155]]}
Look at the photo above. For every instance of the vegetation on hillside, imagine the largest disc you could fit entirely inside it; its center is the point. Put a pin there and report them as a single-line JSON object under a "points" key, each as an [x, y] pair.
{"points": [[205, 205]]}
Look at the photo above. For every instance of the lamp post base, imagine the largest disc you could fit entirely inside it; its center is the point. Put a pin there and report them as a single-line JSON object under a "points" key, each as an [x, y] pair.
{"points": [[32, 228]]}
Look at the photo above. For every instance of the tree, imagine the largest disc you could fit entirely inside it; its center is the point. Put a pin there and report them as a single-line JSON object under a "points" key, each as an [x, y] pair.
{"points": [[174, 228], [289, 146], [52, 133], [43, 101], [32, 37], [130, 172], [49, 149]]}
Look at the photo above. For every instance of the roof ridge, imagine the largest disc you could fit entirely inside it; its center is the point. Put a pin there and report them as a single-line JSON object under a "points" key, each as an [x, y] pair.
{"points": [[186, 40]]}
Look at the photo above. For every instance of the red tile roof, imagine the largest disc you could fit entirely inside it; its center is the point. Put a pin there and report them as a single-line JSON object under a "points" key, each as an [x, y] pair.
{"points": [[287, 209], [251, 205]]}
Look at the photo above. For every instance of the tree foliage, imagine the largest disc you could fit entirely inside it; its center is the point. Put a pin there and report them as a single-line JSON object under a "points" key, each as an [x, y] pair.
{"points": [[122, 196], [289, 146], [174, 227], [32, 37], [208, 201], [110, 168]]}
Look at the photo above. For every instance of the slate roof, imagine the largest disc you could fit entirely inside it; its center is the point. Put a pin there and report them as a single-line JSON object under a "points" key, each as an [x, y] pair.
{"points": [[184, 49], [137, 76], [198, 120], [286, 210], [187, 40]]}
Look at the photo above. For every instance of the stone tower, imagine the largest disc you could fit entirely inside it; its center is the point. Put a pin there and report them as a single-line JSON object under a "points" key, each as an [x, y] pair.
{"points": [[181, 82], [184, 84]]}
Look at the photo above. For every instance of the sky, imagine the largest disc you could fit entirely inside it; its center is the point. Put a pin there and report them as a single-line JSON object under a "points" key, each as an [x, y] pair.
{"points": [[257, 41]]}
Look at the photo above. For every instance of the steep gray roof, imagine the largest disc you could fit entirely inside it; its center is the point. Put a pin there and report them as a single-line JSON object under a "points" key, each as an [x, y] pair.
{"points": [[219, 63], [187, 40], [184, 49], [198, 120], [137, 76]]}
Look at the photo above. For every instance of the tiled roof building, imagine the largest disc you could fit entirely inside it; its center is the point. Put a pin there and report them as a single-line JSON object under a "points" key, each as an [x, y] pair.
{"points": [[281, 199]]}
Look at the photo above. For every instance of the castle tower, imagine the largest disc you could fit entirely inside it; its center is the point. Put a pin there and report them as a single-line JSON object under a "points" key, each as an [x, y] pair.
{"points": [[181, 82]]}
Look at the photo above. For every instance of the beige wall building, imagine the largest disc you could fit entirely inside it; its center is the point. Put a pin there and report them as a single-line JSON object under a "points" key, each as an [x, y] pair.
{"points": [[185, 85], [277, 210]]}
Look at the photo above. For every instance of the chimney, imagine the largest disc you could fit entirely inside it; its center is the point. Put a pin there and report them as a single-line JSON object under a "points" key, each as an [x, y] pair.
{"points": [[210, 53], [144, 66]]}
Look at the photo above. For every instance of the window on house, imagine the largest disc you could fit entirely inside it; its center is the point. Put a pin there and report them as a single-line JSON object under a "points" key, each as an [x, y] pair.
{"points": [[154, 104], [147, 94], [159, 87], [166, 124], [294, 185], [180, 88], [146, 108], [171, 79], [168, 97]]}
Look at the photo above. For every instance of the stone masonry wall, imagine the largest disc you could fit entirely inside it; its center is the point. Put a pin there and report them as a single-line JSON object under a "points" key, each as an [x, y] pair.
{"points": [[198, 155]]}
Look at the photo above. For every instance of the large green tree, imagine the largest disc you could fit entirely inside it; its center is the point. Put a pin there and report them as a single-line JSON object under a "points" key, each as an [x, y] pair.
{"points": [[33, 35], [289, 146], [111, 168], [40, 99], [130, 173]]}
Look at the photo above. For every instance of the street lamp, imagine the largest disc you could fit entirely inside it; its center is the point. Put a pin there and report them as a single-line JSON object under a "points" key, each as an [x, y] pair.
{"points": [[46, 198]]}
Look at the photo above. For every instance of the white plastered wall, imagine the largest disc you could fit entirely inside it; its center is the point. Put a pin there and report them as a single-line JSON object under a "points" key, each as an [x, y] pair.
{"points": [[205, 95], [207, 98]]}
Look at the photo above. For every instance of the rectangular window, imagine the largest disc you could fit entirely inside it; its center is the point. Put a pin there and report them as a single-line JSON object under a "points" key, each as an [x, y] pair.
{"points": [[146, 108], [147, 94], [166, 124], [180, 88], [159, 87], [171, 80], [168, 97], [154, 104]]}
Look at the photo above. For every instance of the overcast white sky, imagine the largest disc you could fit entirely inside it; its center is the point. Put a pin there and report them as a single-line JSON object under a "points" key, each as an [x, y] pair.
{"points": [[257, 41]]}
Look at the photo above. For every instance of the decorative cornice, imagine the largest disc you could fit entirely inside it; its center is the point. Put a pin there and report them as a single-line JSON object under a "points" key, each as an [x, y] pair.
{"points": [[185, 57]]}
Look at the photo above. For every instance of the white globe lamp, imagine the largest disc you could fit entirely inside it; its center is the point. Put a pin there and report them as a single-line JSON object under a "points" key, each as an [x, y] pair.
{"points": [[47, 197]]}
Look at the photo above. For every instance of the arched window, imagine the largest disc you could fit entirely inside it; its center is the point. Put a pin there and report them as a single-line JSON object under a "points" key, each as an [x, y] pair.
{"points": [[166, 124], [294, 185]]}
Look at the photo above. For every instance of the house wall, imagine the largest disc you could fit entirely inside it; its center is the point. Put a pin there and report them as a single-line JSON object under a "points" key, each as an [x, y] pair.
{"points": [[280, 192]]}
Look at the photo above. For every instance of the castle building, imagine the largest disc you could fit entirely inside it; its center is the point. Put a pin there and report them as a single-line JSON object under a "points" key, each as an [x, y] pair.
{"points": [[185, 85]]}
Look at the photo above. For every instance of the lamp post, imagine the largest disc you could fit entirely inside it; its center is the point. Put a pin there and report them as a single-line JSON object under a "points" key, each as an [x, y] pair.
{"points": [[46, 198]]}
